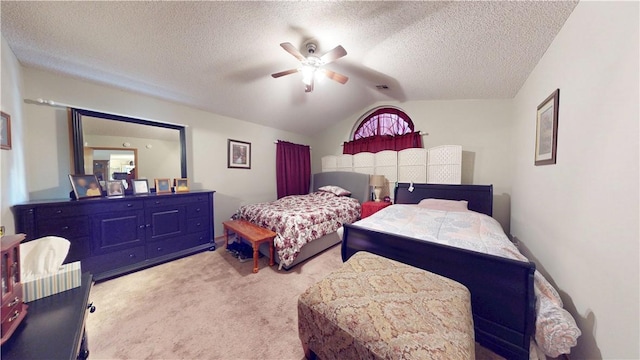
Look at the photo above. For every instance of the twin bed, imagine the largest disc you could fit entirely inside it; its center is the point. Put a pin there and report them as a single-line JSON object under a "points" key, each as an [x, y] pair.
{"points": [[308, 224], [511, 302]]}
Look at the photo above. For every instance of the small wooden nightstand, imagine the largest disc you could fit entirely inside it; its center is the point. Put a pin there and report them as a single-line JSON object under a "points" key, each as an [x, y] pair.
{"points": [[371, 207]]}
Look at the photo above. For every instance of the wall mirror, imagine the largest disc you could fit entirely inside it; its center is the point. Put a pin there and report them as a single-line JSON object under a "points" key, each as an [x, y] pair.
{"points": [[115, 147]]}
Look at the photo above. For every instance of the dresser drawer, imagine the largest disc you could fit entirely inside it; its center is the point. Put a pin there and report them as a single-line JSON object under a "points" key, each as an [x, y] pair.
{"points": [[163, 200], [198, 210], [119, 205], [48, 212], [68, 227], [166, 247], [17, 314], [198, 225], [114, 260], [11, 305]]}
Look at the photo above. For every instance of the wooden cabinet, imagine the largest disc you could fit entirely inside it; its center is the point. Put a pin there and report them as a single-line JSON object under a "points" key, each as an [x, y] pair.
{"points": [[13, 307], [113, 236]]}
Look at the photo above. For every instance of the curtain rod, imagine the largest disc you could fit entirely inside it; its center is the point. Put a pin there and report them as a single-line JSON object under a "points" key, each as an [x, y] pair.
{"points": [[276, 141], [40, 101]]}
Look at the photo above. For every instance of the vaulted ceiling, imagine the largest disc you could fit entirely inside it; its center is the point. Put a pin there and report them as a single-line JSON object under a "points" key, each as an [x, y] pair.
{"points": [[218, 56]]}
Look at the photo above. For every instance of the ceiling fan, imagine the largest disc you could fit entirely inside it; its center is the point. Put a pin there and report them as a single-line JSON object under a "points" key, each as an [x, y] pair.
{"points": [[312, 64]]}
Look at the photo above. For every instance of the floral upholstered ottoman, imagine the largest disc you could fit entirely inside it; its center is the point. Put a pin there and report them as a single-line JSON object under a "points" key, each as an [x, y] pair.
{"points": [[376, 308]]}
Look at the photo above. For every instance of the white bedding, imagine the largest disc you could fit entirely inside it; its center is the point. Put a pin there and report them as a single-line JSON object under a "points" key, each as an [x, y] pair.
{"points": [[556, 331]]}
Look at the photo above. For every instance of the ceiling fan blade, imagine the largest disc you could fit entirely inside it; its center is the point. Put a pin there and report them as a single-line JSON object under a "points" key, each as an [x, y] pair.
{"points": [[334, 54], [335, 76], [293, 51], [283, 73]]}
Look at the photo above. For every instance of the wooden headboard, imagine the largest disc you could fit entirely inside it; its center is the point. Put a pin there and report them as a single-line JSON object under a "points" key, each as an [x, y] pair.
{"points": [[480, 197], [357, 183]]}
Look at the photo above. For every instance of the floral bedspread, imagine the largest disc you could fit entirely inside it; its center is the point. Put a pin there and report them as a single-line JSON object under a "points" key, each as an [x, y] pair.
{"points": [[299, 219], [556, 331]]}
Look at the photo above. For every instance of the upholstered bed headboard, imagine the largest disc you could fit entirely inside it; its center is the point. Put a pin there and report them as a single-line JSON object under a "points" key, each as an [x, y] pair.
{"points": [[357, 183], [480, 197]]}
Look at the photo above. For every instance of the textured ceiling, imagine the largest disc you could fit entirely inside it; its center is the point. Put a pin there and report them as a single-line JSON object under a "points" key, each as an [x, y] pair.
{"points": [[218, 56]]}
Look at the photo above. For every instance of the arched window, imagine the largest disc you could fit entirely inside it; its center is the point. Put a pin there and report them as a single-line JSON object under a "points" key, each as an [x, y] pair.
{"points": [[384, 121], [385, 128]]}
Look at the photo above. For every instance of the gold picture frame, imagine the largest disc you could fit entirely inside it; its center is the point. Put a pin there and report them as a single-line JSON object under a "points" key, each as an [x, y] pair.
{"points": [[181, 185], [163, 186]]}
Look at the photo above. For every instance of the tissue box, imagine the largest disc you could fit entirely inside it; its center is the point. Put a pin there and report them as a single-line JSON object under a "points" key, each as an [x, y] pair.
{"points": [[66, 278]]}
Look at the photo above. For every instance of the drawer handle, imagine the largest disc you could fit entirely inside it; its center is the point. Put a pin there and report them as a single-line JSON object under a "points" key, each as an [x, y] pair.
{"points": [[160, 249], [14, 302], [129, 205], [65, 228], [58, 211], [197, 224], [132, 256], [142, 226], [148, 225], [198, 210], [157, 202], [15, 316]]}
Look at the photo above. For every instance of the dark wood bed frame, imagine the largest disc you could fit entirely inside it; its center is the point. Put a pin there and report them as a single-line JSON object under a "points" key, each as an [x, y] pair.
{"points": [[502, 296]]}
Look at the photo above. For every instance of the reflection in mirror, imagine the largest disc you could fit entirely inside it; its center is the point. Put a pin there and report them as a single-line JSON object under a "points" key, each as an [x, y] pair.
{"points": [[114, 147], [110, 163]]}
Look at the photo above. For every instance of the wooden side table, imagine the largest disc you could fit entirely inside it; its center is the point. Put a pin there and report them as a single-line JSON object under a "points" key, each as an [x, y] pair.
{"points": [[254, 234], [371, 207]]}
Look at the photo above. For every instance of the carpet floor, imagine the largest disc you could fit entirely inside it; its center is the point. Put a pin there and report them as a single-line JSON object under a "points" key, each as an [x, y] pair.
{"points": [[205, 306]]}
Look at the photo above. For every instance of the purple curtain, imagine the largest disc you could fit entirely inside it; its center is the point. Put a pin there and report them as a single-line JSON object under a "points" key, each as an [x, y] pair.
{"points": [[377, 143], [293, 168]]}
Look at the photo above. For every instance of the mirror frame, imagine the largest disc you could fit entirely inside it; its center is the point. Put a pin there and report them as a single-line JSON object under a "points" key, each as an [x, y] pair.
{"points": [[77, 137]]}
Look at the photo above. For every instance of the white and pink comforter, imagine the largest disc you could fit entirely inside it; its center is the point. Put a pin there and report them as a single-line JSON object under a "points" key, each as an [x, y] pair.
{"points": [[556, 331], [299, 219]]}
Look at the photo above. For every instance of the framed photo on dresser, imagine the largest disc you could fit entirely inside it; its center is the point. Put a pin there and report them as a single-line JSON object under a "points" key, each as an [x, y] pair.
{"points": [[115, 188], [85, 186], [140, 186], [182, 185], [163, 186]]}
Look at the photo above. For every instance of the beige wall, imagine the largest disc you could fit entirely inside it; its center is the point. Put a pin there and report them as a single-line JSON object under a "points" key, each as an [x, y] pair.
{"points": [[13, 188], [579, 218], [48, 159], [482, 127]]}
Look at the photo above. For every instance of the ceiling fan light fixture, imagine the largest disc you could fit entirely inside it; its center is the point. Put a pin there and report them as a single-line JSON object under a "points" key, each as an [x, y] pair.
{"points": [[308, 73], [311, 65]]}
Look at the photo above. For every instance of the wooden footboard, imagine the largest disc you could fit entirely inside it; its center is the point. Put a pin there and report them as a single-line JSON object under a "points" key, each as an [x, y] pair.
{"points": [[502, 296]]}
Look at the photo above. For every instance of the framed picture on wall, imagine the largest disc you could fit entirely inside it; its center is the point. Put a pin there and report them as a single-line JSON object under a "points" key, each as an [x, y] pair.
{"points": [[547, 130], [238, 154], [5, 131], [163, 186], [85, 186]]}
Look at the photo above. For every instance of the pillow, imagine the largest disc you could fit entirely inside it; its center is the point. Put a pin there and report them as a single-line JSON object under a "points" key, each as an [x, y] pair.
{"points": [[444, 205], [337, 190]]}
